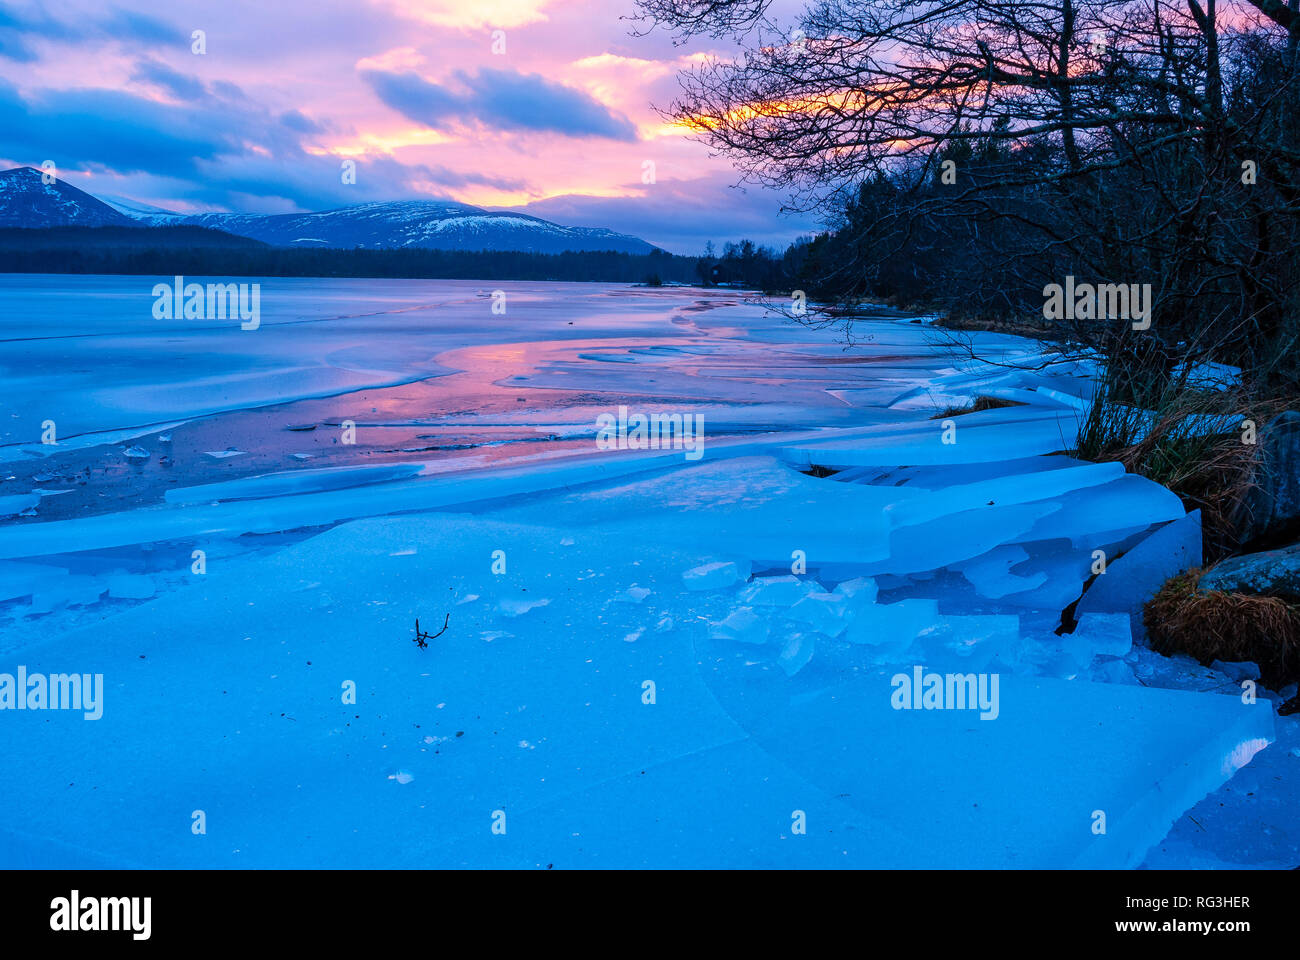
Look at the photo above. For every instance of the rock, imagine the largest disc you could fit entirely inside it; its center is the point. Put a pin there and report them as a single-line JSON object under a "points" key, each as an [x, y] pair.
{"points": [[1237, 670], [1272, 572], [1274, 500]]}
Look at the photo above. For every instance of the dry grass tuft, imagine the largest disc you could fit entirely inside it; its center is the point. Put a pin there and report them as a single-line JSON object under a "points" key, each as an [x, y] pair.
{"points": [[1212, 625], [1188, 441], [1033, 328]]}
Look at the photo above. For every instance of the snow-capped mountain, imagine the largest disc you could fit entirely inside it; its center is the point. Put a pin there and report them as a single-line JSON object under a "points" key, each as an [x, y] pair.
{"points": [[138, 210], [27, 201], [429, 224]]}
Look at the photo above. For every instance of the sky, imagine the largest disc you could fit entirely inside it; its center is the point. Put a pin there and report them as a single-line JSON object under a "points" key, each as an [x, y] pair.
{"points": [[542, 106]]}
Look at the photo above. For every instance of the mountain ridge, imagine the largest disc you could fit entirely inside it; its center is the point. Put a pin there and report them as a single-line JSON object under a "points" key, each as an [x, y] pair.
{"points": [[26, 200], [431, 224]]}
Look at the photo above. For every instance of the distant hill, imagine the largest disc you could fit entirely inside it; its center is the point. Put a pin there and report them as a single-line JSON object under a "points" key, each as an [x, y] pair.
{"points": [[26, 201], [394, 225], [422, 224], [198, 251]]}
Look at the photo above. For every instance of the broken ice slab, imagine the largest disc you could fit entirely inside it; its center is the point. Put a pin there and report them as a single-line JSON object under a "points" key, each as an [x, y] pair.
{"points": [[1081, 402], [20, 451], [715, 575], [796, 652], [1002, 491], [1107, 670], [1103, 634], [755, 507], [633, 594], [743, 624], [1056, 657], [968, 379], [859, 589], [66, 591], [273, 514], [130, 586], [22, 579], [15, 504], [1051, 576], [955, 390], [517, 606], [961, 386], [959, 536], [822, 613], [293, 482], [937, 478], [782, 591], [891, 627], [991, 575], [1208, 375], [1126, 505], [874, 397], [1133, 579], [1006, 433], [968, 642]]}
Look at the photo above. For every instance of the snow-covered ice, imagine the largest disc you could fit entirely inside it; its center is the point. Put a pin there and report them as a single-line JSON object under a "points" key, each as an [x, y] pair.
{"points": [[618, 625]]}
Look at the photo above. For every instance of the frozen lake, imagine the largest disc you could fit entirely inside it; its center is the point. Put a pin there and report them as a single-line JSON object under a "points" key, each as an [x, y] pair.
{"points": [[236, 530], [88, 352], [454, 374]]}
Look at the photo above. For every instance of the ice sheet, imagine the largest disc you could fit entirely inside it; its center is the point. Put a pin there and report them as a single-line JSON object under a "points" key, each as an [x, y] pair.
{"points": [[553, 727]]}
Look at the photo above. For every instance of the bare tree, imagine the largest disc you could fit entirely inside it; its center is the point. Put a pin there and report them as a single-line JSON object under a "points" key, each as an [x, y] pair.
{"points": [[971, 152]]}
